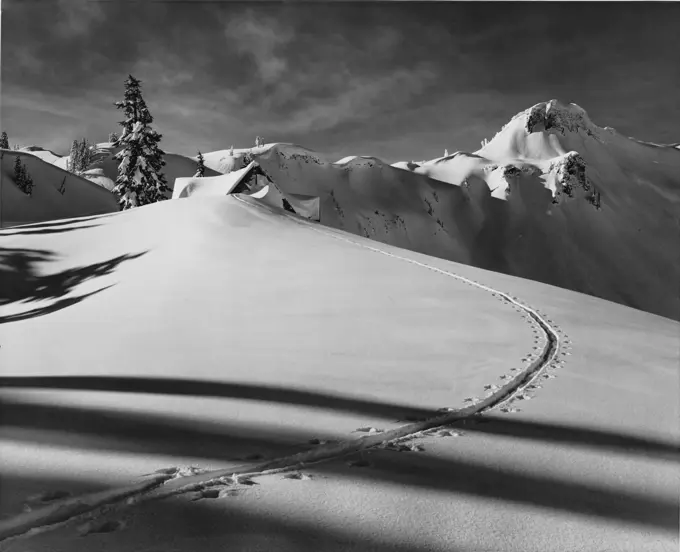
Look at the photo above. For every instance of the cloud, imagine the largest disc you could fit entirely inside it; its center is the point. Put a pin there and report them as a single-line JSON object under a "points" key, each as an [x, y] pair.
{"points": [[360, 98], [77, 17], [261, 37]]}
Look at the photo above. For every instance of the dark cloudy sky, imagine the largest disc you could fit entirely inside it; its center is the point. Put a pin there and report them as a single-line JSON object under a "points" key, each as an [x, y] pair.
{"points": [[396, 80]]}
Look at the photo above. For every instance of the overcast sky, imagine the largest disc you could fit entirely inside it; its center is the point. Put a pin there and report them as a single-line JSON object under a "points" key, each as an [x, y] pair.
{"points": [[396, 80]]}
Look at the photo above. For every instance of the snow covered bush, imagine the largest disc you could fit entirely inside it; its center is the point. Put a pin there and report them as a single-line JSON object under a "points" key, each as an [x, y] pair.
{"points": [[140, 180], [4, 141]]}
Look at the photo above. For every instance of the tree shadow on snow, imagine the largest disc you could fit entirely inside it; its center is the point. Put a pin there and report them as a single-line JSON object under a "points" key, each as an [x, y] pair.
{"points": [[43, 231], [210, 525], [28, 228], [21, 280], [583, 437]]}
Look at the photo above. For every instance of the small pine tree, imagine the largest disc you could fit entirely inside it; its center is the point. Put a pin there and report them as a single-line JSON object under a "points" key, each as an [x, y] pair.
{"points": [[140, 180], [4, 140], [259, 141], [21, 177], [18, 172], [73, 161], [113, 137], [231, 151], [28, 182], [446, 153], [200, 172]]}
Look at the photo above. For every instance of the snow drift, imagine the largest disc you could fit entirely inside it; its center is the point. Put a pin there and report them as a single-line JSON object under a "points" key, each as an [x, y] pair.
{"points": [[249, 182]]}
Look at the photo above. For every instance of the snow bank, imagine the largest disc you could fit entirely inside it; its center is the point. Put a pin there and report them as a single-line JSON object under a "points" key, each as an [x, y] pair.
{"points": [[210, 186]]}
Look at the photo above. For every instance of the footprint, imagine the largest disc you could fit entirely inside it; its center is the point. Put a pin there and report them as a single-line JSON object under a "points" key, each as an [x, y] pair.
{"points": [[449, 433], [164, 471], [402, 447], [299, 476], [99, 526], [534, 386], [446, 409], [510, 410], [549, 376], [491, 387]]}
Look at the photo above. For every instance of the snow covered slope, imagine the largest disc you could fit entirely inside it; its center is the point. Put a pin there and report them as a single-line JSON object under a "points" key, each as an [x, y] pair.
{"points": [[57, 194], [552, 198], [233, 333], [105, 168]]}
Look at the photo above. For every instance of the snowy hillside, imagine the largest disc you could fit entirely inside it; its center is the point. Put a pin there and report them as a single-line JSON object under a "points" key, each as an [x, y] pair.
{"points": [[214, 333], [56, 194], [551, 197], [104, 169]]}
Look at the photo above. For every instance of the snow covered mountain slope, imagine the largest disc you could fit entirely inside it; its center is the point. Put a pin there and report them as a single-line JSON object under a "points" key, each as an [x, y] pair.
{"points": [[241, 301], [552, 198], [235, 333], [104, 169], [57, 193]]}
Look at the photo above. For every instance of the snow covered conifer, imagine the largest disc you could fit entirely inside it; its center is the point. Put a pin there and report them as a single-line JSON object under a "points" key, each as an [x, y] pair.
{"points": [[73, 156], [140, 180], [113, 137], [200, 172], [4, 140], [18, 172], [21, 177]]}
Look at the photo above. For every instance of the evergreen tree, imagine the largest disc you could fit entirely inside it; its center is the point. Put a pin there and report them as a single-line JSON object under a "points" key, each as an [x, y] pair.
{"points": [[21, 177], [231, 151], [4, 141], [200, 172], [113, 137], [28, 181], [18, 172], [140, 180], [73, 161]]}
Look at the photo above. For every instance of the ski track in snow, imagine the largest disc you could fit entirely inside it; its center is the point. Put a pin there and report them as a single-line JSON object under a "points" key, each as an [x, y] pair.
{"points": [[516, 387]]}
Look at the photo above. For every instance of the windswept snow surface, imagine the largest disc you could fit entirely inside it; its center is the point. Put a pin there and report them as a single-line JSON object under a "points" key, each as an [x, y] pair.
{"points": [[233, 330], [57, 194], [524, 205]]}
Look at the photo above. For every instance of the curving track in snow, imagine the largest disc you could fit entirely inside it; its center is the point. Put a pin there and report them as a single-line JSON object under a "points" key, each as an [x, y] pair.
{"points": [[171, 483]]}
